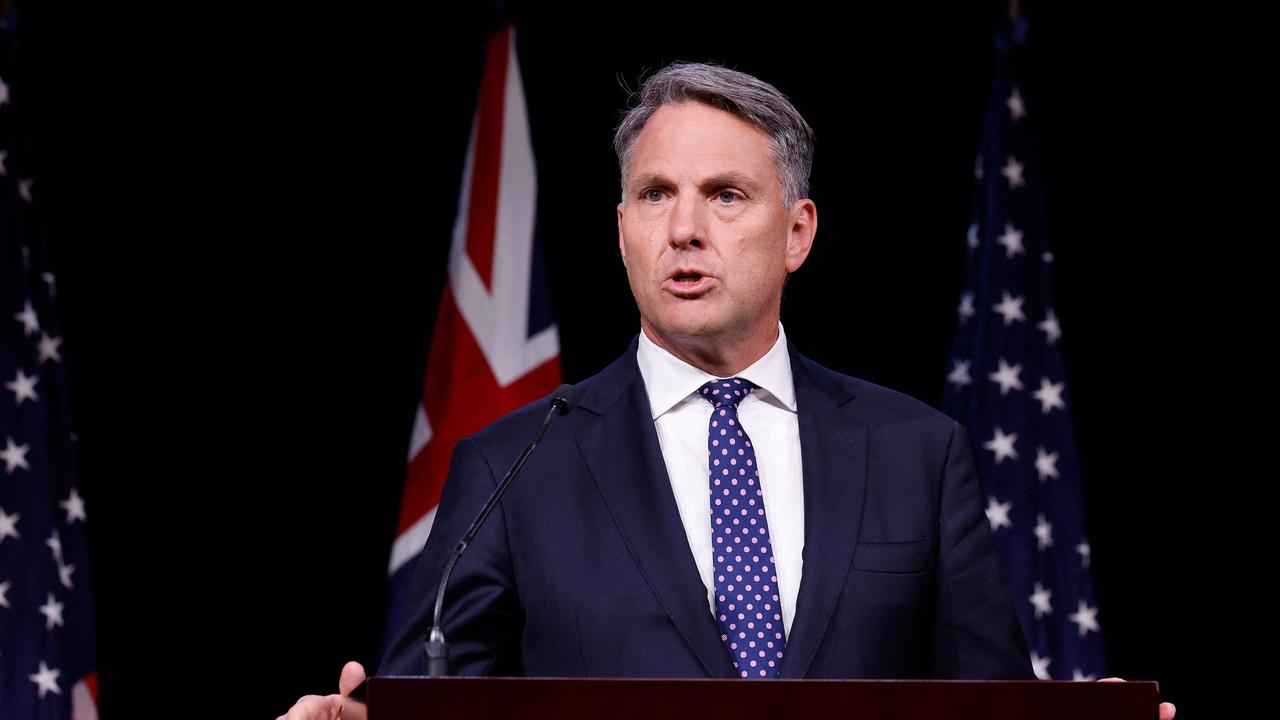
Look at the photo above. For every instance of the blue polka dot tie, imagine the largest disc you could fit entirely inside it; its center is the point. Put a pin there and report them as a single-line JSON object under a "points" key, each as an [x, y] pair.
{"points": [[747, 607]]}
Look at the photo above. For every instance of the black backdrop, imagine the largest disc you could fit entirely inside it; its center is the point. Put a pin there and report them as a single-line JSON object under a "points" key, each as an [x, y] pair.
{"points": [[250, 208]]}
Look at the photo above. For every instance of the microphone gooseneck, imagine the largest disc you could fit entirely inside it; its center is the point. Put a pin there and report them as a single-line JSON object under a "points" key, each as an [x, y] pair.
{"points": [[563, 400]]}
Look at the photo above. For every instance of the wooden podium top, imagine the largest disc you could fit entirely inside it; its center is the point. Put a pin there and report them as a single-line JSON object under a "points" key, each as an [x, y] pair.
{"points": [[508, 698]]}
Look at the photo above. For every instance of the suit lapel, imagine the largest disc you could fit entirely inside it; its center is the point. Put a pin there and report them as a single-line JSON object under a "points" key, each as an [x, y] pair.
{"points": [[621, 449], [833, 452]]}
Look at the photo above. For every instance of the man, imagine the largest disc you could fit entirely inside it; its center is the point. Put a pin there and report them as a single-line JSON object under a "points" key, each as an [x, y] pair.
{"points": [[636, 542]]}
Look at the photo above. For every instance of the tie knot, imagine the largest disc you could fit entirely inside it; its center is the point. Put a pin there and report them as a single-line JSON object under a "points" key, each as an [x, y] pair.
{"points": [[730, 391]]}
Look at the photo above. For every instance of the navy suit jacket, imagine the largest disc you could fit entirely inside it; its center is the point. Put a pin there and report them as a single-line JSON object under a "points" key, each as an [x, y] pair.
{"points": [[583, 569]]}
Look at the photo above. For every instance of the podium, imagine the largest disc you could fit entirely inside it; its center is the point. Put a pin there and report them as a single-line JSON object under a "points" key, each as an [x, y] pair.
{"points": [[402, 698]]}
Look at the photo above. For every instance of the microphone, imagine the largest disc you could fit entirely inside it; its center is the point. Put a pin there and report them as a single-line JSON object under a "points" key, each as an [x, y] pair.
{"points": [[564, 399]]}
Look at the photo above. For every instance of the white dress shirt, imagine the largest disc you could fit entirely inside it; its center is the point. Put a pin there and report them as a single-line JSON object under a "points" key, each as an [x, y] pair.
{"points": [[768, 416]]}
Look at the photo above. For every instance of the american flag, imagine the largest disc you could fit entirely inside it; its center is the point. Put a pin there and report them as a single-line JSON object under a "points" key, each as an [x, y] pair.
{"points": [[1007, 385], [494, 347], [46, 614]]}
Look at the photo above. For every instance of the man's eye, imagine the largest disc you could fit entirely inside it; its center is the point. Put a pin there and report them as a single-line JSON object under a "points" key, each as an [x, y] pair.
{"points": [[727, 196], [652, 195]]}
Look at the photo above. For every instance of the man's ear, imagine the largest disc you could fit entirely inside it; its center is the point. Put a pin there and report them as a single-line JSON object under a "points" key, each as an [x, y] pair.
{"points": [[804, 225], [622, 246]]}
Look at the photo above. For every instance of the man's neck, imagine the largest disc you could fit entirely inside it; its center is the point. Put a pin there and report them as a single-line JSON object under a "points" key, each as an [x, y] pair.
{"points": [[721, 357]]}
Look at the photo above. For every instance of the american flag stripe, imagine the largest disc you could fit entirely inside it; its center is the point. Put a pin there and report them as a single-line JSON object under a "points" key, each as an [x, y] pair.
{"points": [[84, 698]]}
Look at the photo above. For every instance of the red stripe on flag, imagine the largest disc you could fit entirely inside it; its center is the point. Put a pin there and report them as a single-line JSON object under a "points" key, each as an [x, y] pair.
{"points": [[486, 168], [91, 682], [461, 396]]}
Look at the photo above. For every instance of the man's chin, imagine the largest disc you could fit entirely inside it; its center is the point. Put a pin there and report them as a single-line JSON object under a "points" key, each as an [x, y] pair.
{"points": [[689, 326]]}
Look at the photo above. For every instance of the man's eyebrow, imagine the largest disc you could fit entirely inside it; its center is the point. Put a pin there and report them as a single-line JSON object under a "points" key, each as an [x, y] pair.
{"points": [[650, 179], [719, 180], [730, 179]]}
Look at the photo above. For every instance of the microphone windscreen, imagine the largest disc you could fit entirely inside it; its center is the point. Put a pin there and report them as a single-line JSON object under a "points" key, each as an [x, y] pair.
{"points": [[566, 398]]}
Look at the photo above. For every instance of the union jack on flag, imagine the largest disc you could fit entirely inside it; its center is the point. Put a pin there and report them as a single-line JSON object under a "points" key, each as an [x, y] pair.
{"points": [[494, 347], [47, 666], [1007, 385]]}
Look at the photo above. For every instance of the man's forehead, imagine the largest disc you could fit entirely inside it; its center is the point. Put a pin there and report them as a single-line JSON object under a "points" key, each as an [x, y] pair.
{"points": [[692, 142], [696, 123]]}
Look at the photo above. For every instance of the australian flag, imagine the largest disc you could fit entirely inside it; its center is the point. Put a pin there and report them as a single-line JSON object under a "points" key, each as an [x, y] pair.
{"points": [[494, 346], [46, 615], [1006, 384]]}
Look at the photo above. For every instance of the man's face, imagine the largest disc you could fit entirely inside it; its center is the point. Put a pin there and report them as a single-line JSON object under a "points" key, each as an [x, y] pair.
{"points": [[702, 229]]}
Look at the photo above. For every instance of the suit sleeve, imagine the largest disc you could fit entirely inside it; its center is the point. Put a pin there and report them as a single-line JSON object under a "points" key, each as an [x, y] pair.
{"points": [[976, 632], [481, 618]]}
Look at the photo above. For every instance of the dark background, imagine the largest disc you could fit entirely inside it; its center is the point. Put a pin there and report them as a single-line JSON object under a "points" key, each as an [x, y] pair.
{"points": [[249, 210]]}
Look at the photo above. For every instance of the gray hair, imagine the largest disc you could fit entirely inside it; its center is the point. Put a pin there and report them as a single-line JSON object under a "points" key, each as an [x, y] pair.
{"points": [[748, 97]]}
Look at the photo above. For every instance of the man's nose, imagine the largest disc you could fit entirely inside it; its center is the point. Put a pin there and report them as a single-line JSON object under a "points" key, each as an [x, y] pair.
{"points": [[687, 223]]}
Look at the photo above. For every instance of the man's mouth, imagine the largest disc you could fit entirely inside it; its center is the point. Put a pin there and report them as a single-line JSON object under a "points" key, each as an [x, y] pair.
{"points": [[688, 284]]}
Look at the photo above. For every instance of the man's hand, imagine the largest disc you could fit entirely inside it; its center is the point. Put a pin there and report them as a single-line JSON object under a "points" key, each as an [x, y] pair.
{"points": [[1166, 709], [332, 707]]}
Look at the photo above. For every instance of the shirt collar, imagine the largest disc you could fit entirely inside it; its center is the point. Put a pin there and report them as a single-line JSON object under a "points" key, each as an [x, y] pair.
{"points": [[669, 380]]}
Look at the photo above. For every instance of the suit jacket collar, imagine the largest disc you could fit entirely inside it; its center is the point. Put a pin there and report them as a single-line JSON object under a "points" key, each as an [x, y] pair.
{"points": [[621, 449]]}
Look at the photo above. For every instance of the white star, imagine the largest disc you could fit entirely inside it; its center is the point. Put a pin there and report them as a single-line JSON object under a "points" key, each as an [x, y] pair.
{"points": [[1010, 308], [1011, 240], [30, 323], [1046, 464], [24, 188], [47, 680], [1007, 377], [74, 505], [966, 307], [15, 456], [973, 235], [1002, 446], [1079, 676], [1047, 257], [1050, 327], [1040, 599], [1050, 395], [55, 544], [1085, 552], [977, 168], [960, 374], [4, 592], [1016, 108], [48, 347], [23, 387], [1013, 171], [1041, 666], [4, 92], [1086, 618], [1044, 532], [9, 525], [64, 575], [52, 612], [998, 514], [51, 282]]}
